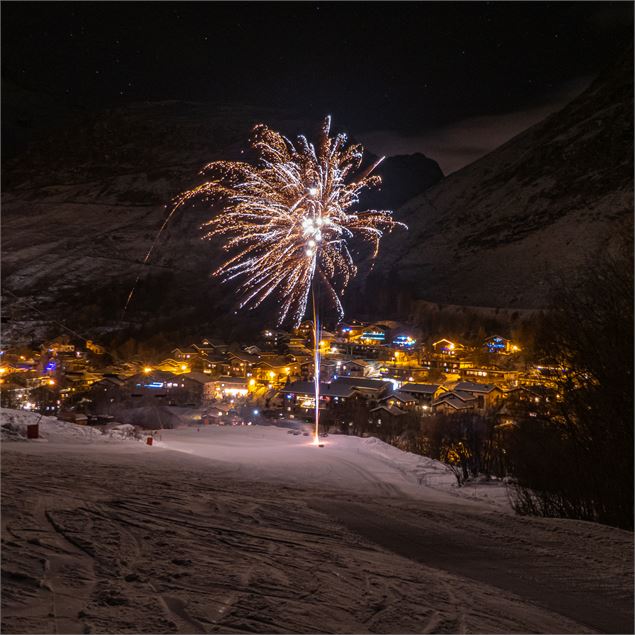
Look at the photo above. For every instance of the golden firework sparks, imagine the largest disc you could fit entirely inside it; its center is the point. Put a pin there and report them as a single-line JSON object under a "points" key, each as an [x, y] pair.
{"points": [[287, 219]]}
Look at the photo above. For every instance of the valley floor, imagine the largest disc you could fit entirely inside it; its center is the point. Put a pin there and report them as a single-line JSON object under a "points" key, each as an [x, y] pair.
{"points": [[254, 530]]}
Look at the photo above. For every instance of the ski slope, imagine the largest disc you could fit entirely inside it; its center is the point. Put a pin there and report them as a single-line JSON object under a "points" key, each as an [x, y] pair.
{"points": [[252, 529], [273, 454]]}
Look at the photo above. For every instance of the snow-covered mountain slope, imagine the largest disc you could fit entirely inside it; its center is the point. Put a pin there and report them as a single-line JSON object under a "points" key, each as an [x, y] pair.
{"points": [[491, 233], [82, 209]]}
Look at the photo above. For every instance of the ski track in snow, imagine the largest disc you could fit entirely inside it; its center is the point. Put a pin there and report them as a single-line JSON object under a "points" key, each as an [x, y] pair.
{"points": [[254, 530]]}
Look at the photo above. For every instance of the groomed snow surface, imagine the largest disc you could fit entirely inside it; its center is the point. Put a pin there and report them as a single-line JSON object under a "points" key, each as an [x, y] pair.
{"points": [[366, 465], [254, 529]]}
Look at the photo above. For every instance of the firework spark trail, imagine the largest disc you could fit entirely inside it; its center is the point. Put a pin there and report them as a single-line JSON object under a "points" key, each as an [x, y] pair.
{"points": [[146, 259], [287, 220]]}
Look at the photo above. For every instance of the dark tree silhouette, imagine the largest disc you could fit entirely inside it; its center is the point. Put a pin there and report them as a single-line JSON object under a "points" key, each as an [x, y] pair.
{"points": [[578, 462]]}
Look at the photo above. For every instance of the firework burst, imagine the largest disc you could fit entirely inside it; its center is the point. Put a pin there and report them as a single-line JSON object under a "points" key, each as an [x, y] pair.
{"points": [[287, 219]]}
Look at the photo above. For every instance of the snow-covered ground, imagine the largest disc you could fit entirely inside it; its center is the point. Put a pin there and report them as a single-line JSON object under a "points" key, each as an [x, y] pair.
{"points": [[363, 465], [252, 529]]}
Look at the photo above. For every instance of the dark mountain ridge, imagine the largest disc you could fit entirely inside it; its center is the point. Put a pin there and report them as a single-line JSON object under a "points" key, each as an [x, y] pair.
{"points": [[83, 206], [495, 232]]}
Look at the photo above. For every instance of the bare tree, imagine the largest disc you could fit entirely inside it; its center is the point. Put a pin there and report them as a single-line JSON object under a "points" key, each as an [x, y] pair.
{"points": [[468, 442]]}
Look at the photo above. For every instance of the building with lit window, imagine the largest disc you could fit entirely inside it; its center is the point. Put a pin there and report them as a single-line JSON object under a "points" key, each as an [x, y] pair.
{"points": [[501, 345]]}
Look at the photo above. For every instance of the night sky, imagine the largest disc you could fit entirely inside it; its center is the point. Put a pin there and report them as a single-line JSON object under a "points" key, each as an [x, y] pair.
{"points": [[449, 79]]}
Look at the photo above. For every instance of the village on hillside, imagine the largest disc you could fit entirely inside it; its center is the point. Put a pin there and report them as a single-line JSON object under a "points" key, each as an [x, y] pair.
{"points": [[371, 375]]}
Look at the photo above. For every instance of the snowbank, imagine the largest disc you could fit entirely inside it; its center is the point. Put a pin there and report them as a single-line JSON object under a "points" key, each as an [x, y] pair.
{"points": [[432, 473], [427, 471], [121, 431], [13, 425]]}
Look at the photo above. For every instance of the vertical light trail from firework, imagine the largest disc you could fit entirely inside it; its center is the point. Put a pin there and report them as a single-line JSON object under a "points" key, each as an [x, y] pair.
{"points": [[287, 220], [316, 363]]}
